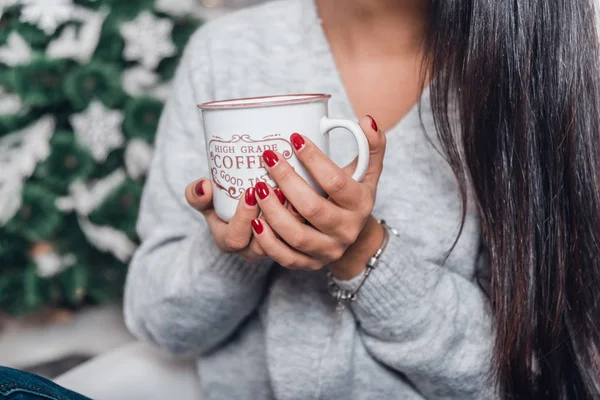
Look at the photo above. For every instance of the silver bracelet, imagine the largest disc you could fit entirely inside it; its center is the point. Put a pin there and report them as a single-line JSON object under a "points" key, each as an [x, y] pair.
{"points": [[346, 296]]}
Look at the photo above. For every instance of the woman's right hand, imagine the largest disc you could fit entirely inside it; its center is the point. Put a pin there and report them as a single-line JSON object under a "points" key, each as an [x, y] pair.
{"points": [[235, 236]]}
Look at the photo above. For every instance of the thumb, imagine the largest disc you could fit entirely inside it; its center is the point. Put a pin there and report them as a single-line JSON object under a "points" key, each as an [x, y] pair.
{"points": [[377, 144], [199, 195], [350, 168]]}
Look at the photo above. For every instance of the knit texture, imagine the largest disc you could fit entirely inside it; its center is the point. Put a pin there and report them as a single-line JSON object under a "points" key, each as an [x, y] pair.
{"points": [[421, 327]]}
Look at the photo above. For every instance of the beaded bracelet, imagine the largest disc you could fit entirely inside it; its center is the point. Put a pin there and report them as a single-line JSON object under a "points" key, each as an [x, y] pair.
{"points": [[345, 296]]}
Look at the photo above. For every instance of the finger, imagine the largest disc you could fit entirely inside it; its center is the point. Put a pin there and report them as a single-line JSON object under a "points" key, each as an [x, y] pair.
{"points": [[350, 168], [280, 252], [255, 249], [339, 185], [239, 231], [377, 145], [316, 209], [297, 235], [199, 195], [295, 213], [283, 200], [253, 253], [289, 206]]}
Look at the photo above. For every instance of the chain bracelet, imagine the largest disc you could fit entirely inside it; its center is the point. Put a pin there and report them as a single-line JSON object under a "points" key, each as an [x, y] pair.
{"points": [[346, 296]]}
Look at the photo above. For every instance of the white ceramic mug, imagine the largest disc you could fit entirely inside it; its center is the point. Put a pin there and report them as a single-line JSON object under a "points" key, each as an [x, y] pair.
{"points": [[238, 131]]}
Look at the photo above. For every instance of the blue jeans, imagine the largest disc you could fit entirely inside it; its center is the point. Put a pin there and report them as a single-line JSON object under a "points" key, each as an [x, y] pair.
{"points": [[19, 385]]}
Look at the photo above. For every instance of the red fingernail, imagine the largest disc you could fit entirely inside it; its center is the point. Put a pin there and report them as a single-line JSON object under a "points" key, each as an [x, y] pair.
{"points": [[198, 189], [297, 141], [250, 197], [270, 158], [294, 210], [280, 196], [257, 226], [262, 189], [374, 124]]}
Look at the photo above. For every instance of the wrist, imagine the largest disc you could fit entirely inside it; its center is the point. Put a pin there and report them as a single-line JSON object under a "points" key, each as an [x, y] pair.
{"points": [[355, 259]]}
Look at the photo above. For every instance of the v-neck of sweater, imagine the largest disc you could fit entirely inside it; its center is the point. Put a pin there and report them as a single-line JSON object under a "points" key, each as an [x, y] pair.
{"points": [[319, 43]]}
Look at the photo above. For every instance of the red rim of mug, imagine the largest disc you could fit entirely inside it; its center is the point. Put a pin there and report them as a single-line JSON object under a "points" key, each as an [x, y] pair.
{"points": [[264, 101]]}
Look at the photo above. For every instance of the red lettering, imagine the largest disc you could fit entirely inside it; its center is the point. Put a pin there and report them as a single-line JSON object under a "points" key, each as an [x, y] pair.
{"points": [[251, 161], [239, 161]]}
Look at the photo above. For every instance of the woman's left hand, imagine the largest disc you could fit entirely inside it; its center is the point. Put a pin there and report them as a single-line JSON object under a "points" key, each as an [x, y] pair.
{"points": [[336, 223]]}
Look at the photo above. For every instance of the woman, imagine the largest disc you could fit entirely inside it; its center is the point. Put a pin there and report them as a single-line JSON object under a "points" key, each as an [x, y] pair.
{"points": [[514, 101], [487, 286]]}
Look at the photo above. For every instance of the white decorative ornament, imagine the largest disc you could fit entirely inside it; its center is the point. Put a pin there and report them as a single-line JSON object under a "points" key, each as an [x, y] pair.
{"points": [[10, 198], [10, 103], [99, 130], [138, 80], [85, 198], [20, 152], [161, 92], [46, 14], [79, 44], [148, 39], [138, 157], [108, 239], [16, 51], [48, 263]]}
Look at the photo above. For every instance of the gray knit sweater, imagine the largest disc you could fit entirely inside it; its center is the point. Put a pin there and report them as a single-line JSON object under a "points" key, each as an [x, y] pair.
{"points": [[419, 329]]}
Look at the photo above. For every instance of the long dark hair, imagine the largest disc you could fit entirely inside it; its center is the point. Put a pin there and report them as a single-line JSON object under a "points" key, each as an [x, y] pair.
{"points": [[524, 77]]}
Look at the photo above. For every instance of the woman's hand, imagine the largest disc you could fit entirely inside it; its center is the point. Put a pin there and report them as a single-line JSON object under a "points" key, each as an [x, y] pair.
{"points": [[336, 223], [235, 236]]}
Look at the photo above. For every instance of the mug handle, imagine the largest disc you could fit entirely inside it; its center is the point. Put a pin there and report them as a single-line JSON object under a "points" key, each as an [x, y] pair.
{"points": [[328, 124]]}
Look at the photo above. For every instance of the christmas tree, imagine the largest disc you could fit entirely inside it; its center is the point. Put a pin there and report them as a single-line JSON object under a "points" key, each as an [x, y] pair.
{"points": [[82, 86]]}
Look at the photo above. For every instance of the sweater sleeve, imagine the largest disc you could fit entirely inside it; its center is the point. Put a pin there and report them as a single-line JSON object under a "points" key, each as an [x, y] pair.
{"points": [[181, 293], [427, 322]]}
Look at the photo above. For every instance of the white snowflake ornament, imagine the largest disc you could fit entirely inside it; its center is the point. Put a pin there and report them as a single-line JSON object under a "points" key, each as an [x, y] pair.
{"points": [[20, 152], [46, 14], [15, 51], [161, 92], [79, 44], [10, 198], [108, 239], [99, 130], [148, 40], [137, 81], [85, 197]]}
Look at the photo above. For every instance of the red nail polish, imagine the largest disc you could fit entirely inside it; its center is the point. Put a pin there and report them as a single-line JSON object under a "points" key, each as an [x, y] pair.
{"points": [[270, 158], [374, 124], [199, 190], [297, 141], [294, 210], [280, 196], [250, 197], [257, 226], [262, 189]]}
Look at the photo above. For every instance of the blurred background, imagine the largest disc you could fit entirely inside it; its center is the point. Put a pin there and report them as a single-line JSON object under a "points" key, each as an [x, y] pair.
{"points": [[82, 86]]}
